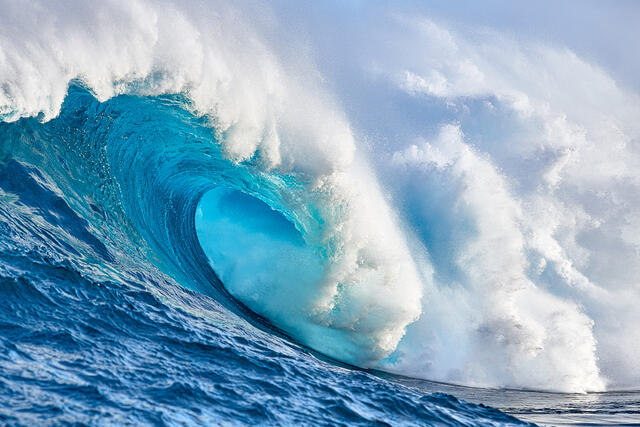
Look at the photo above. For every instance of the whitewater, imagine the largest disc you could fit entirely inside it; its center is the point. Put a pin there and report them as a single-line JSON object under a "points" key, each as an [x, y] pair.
{"points": [[366, 192]]}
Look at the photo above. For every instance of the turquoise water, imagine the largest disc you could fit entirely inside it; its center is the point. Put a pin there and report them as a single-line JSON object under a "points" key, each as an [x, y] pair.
{"points": [[110, 312], [277, 212]]}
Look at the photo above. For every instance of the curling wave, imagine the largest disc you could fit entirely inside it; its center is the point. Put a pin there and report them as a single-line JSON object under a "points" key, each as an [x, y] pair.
{"points": [[449, 216]]}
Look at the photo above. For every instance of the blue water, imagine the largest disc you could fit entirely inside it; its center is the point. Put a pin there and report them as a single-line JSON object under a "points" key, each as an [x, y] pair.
{"points": [[111, 312]]}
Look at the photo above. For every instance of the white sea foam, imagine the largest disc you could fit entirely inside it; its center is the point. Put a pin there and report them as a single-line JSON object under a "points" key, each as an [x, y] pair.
{"points": [[475, 189]]}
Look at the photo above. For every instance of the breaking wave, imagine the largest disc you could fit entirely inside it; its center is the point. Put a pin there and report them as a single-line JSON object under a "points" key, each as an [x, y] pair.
{"points": [[442, 205]]}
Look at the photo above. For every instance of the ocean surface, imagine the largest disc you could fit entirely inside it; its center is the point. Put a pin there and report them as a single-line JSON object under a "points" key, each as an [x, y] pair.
{"points": [[339, 214]]}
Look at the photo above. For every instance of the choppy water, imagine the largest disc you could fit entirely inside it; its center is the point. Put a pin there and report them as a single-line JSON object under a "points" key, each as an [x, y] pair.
{"points": [[611, 408], [261, 213]]}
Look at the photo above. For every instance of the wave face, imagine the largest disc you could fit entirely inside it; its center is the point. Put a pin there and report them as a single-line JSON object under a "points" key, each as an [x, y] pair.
{"points": [[98, 249], [458, 206]]}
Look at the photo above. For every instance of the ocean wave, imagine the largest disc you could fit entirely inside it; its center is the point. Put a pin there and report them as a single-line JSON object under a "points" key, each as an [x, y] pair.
{"points": [[459, 209]]}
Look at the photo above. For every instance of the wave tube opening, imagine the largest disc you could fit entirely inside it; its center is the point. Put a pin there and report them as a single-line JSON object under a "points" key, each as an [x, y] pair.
{"points": [[258, 253]]}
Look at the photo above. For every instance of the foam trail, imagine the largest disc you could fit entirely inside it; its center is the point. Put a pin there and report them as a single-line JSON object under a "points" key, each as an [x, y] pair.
{"points": [[464, 202]]}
